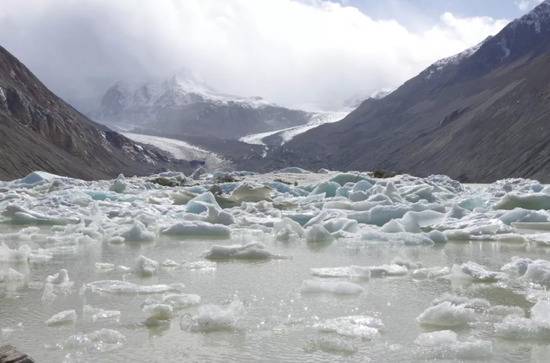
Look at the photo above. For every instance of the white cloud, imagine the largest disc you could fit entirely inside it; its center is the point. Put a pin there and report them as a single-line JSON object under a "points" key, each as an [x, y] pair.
{"points": [[296, 53], [525, 5]]}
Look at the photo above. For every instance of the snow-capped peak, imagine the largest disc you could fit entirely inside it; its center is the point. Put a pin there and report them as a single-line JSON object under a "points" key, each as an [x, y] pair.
{"points": [[180, 89], [536, 17], [439, 65]]}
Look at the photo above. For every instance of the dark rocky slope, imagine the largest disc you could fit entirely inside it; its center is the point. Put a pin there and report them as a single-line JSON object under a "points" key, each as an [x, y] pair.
{"points": [[39, 131], [478, 116]]}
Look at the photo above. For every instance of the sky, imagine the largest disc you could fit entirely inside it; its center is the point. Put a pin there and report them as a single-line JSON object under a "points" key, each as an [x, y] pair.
{"points": [[311, 54]]}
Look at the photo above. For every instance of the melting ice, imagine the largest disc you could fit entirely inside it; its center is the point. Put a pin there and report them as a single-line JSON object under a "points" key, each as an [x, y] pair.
{"points": [[285, 266]]}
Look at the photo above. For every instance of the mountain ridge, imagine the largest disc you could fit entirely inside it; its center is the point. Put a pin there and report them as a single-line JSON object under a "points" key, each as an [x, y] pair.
{"points": [[479, 118], [184, 105], [40, 131]]}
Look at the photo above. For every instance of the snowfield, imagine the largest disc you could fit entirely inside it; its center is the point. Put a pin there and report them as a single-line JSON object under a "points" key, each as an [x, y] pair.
{"points": [[290, 132], [180, 149], [284, 266]]}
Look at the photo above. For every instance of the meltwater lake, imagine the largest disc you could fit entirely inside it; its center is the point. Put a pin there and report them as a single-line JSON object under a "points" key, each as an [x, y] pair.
{"points": [[287, 266]]}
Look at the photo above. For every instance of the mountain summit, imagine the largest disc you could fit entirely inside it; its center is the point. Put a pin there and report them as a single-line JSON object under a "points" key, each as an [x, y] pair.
{"points": [[478, 116], [183, 105]]}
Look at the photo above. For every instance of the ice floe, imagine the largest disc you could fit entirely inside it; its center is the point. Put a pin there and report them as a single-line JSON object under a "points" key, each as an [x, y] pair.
{"points": [[210, 318], [356, 326], [444, 344], [119, 287], [249, 251], [63, 317], [332, 287]]}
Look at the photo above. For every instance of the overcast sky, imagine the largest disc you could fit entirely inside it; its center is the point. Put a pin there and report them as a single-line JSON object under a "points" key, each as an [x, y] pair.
{"points": [[303, 53]]}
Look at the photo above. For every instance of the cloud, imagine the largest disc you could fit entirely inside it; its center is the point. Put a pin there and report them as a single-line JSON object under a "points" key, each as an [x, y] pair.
{"points": [[310, 53], [525, 5]]}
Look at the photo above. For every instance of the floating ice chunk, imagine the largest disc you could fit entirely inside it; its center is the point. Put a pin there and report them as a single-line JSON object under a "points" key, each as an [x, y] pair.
{"points": [[344, 178], [37, 177], [122, 268], [138, 233], [116, 240], [477, 304], [326, 188], [405, 262], [478, 272], [388, 270], [100, 315], [522, 215], [169, 263], [19, 215], [437, 236], [393, 226], [250, 251], [57, 284], [287, 229], [158, 314], [119, 185], [182, 197], [332, 287], [345, 271], [19, 255], [218, 216], [334, 345], [104, 266], [444, 344], [335, 225], [6, 332], [519, 328], [64, 317], [517, 266], [99, 341], [293, 170], [201, 202], [538, 272], [457, 212], [119, 287], [197, 229], [406, 238], [446, 314], [505, 310], [181, 301], [318, 233], [204, 266], [212, 318], [357, 326], [59, 278], [430, 272], [362, 186], [379, 215], [249, 192], [533, 201], [12, 278], [442, 337], [146, 266], [479, 231]]}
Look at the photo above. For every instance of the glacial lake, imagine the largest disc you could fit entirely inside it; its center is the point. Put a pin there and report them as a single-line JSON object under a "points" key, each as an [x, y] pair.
{"points": [[357, 289]]}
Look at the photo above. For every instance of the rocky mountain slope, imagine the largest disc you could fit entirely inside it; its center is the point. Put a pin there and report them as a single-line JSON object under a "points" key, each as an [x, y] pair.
{"points": [[39, 131], [184, 105], [478, 116]]}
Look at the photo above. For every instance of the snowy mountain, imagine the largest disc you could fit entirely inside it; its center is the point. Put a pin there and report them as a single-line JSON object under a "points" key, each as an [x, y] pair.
{"points": [[183, 105], [480, 115], [39, 131]]}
